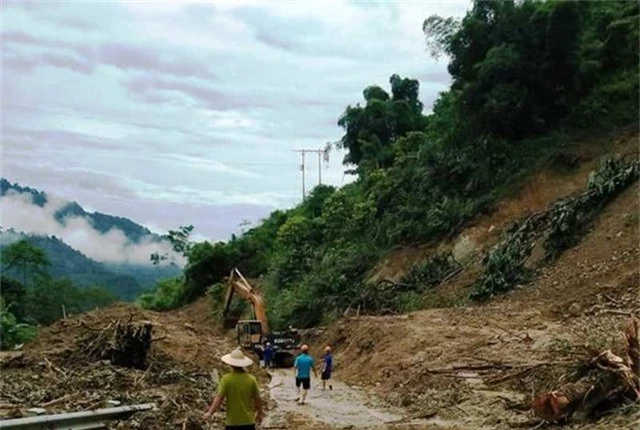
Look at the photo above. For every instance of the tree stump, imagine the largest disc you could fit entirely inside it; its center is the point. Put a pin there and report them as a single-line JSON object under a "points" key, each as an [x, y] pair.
{"points": [[123, 344]]}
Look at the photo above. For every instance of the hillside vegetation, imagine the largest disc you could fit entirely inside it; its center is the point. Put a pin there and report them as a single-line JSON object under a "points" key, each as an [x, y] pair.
{"points": [[528, 79]]}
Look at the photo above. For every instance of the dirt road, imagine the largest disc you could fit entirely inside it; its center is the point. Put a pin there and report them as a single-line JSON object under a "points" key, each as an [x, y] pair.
{"points": [[342, 406]]}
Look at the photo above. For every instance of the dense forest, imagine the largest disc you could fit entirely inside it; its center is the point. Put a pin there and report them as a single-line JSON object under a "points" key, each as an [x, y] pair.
{"points": [[527, 78]]}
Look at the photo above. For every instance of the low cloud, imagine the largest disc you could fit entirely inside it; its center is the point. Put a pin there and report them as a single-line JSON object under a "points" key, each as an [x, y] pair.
{"points": [[20, 214]]}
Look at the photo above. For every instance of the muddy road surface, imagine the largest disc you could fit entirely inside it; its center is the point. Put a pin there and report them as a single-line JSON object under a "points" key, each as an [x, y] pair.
{"points": [[340, 407]]}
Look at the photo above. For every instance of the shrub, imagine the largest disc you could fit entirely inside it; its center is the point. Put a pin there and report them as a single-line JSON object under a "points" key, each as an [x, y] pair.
{"points": [[168, 294], [430, 273], [13, 333]]}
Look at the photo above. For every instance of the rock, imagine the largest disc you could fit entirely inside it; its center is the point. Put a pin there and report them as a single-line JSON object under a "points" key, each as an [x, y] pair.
{"points": [[464, 249], [37, 411], [575, 309]]}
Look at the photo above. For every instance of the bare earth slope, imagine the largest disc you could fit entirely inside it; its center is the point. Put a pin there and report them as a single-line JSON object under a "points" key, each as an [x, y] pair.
{"points": [[451, 362]]}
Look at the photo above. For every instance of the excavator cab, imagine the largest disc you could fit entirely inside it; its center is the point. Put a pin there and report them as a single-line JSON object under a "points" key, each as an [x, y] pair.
{"points": [[249, 333]]}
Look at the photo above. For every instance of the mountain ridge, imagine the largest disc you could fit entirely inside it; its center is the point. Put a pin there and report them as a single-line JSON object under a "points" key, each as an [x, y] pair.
{"points": [[126, 280], [101, 222]]}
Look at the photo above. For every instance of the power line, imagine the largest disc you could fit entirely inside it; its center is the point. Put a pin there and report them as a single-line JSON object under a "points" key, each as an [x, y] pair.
{"points": [[323, 155]]}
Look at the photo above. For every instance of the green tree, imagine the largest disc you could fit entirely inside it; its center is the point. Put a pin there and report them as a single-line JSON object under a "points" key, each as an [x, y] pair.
{"points": [[26, 259], [168, 294], [180, 242], [371, 130], [14, 295], [50, 299]]}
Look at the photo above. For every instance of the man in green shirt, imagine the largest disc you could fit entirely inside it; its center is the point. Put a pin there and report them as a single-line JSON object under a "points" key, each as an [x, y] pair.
{"points": [[244, 406]]}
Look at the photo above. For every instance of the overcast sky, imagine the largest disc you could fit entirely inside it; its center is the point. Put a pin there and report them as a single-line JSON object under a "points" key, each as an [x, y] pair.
{"points": [[179, 112]]}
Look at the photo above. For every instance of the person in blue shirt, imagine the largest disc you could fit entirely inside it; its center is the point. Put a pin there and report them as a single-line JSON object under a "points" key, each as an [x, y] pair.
{"points": [[327, 367], [304, 365], [267, 354]]}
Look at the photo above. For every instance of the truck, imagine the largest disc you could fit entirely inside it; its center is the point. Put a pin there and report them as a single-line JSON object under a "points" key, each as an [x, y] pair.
{"points": [[253, 334]]}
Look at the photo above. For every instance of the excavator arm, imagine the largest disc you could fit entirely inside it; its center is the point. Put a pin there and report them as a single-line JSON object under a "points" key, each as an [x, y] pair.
{"points": [[252, 334], [240, 286]]}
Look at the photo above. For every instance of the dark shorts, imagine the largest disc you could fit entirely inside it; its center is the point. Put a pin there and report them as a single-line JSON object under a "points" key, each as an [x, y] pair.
{"points": [[305, 382], [326, 375], [247, 427]]}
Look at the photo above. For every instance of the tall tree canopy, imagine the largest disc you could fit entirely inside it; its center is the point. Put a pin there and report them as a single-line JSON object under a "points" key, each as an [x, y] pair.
{"points": [[371, 130], [24, 258], [519, 68]]}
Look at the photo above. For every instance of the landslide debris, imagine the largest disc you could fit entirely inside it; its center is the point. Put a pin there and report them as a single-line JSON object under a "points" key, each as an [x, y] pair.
{"points": [[482, 366], [118, 355]]}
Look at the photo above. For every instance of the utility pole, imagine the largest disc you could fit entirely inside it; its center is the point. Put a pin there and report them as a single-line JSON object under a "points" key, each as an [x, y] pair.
{"points": [[321, 153]]}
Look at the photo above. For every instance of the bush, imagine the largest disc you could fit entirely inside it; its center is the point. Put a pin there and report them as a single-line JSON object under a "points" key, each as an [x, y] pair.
{"points": [[13, 333], [613, 103], [430, 273], [168, 294]]}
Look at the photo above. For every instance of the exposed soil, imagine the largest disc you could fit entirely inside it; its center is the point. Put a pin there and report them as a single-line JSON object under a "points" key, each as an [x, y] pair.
{"points": [[553, 181], [476, 366]]}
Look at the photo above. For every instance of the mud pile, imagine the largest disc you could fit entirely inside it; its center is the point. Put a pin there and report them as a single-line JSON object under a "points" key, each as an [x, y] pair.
{"points": [[83, 363]]}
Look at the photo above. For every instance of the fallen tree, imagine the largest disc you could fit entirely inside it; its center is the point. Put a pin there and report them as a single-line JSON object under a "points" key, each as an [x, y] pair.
{"points": [[609, 381]]}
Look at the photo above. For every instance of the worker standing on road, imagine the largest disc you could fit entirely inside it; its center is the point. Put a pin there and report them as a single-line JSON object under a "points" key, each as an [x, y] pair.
{"points": [[327, 367], [244, 405], [303, 365], [267, 354]]}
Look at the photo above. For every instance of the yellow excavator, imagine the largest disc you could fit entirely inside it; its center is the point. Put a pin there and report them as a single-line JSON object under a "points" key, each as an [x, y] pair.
{"points": [[254, 334]]}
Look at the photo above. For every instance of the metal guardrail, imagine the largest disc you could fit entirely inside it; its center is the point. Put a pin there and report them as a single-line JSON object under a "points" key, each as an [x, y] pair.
{"points": [[85, 420]]}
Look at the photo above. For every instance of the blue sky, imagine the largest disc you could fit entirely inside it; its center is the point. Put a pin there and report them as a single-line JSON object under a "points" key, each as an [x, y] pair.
{"points": [[182, 112]]}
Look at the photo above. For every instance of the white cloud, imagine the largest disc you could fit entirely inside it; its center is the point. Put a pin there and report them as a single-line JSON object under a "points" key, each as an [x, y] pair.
{"points": [[20, 214]]}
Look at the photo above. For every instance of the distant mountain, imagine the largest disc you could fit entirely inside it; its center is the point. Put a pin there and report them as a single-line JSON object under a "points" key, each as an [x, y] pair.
{"points": [[126, 280], [99, 221]]}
